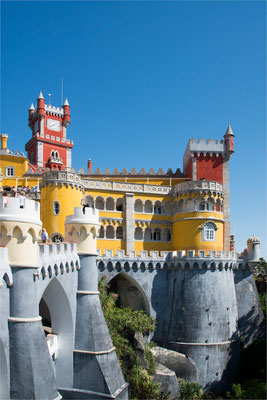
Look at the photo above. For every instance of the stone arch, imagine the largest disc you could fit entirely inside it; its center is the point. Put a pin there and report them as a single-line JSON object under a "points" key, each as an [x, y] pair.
{"points": [[157, 207], [56, 236], [189, 204], [130, 292], [180, 205], [17, 234], [90, 201], [54, 305], [138, 233]]}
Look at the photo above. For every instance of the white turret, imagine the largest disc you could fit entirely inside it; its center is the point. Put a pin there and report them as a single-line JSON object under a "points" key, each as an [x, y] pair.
{"points": [[253, 250]]}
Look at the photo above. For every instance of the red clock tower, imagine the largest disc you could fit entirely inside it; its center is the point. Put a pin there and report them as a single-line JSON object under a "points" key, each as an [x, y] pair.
{"points": [[49, 146]]}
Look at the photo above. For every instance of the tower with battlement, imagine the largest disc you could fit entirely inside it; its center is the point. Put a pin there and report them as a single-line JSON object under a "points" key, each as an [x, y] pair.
{"points": [[49, 146]]}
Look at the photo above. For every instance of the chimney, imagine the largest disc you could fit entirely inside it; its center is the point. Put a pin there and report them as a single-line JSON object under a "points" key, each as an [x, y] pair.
{"points": [[89, 164], [4, 138]]}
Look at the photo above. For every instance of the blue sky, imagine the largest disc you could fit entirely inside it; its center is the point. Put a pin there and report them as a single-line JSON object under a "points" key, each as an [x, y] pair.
{"points": [[142, 78]]}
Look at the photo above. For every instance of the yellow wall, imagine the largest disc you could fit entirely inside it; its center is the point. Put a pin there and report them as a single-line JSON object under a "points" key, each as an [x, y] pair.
{"points": [[67, 197], [186, 234]]}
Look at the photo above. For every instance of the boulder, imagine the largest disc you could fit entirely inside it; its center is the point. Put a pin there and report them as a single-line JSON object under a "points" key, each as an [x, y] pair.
{"points": [[168, 380], [184, 367], [139, 345]]}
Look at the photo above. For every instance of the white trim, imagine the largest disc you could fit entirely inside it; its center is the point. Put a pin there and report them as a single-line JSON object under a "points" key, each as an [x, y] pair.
{"points": [[18, 319]]}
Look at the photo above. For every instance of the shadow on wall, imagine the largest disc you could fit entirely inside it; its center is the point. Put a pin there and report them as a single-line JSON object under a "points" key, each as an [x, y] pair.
{"points": [[158, 301]]}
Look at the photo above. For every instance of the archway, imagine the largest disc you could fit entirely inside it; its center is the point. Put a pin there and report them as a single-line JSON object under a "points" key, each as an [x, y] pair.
{"points": [[130, 292], [54, 308]]}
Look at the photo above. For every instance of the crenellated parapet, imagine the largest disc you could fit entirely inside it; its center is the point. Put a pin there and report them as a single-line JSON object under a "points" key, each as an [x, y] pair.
{"points": [[172, 260], [67, 178], [20, 228], [57, 259]]}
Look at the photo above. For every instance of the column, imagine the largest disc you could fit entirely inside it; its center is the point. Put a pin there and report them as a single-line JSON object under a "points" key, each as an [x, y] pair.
{"points": [[129, 222]]}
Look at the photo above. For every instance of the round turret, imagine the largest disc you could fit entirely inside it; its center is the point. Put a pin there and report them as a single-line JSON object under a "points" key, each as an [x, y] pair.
{"points": [[66, 117], [61, 191], [20, 228], [198, 222], [229, 141], [253, 249], [41, 105], [83, 228]]}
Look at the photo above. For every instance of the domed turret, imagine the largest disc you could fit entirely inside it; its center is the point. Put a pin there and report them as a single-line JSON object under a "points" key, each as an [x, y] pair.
{"points": [[253, 250], [41, 105], [66, 117], [229, 141]]}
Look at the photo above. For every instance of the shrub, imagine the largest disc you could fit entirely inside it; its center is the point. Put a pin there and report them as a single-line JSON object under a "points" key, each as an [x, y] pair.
{"points": [[190, 390]]}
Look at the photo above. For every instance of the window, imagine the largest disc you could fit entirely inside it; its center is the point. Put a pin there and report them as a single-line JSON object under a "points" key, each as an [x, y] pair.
{"points": [[156, 235], [202, 206], [56, 207], [10, 171], [119, 232], [209, 231]]}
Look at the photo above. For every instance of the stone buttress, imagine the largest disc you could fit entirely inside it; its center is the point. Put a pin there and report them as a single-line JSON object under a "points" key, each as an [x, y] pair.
{"points": [[201, 318], [31, 375], [97, 372]]}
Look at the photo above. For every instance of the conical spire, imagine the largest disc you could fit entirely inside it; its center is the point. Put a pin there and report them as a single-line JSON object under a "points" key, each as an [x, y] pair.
{"points": [[66, 102], [41, 95], [32, 107], [229, 130]]}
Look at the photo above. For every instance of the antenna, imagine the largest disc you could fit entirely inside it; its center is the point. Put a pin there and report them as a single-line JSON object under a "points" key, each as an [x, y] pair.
{"points": [[49, 95], [61, 90]]}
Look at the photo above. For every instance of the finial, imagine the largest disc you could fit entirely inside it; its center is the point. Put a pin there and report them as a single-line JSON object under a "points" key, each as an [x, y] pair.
{"points": [[41, 95], [49, 95], [66, 102], [32, 107], [229, 130]]}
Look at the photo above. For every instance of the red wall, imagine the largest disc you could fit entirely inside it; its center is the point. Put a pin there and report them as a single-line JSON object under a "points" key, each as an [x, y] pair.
{"points": [[189, 169], [210, 168], [49, 147]]}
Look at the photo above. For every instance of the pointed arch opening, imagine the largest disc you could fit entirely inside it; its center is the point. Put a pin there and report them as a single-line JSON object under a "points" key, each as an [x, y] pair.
{"points": [[130, 293]]}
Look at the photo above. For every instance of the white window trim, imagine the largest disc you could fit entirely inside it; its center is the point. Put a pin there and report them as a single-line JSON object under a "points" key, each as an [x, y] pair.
{"points": [[203, 233], [11, 168]]}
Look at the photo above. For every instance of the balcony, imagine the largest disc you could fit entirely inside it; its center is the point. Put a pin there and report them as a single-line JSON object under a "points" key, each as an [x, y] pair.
{"points": [[198, 186]]}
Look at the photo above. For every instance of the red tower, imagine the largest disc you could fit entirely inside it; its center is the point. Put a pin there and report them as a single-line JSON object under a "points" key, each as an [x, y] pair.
{"points": [[49, 146]]}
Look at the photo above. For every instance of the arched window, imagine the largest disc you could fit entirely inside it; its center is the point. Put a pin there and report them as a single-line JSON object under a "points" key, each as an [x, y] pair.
{"points": [[119, 204], [180, 206], [202, 206], [148, 206], [157, 235], [110, 204], [148, 235], [90, 201], [209, 231], [138, 206], [56, 207], [101, 232], [167, 235], [157, 207], [56, 154], [211, 204], [99, 203], [110, 232], [119, 232], [52, 153], [138, 233]]}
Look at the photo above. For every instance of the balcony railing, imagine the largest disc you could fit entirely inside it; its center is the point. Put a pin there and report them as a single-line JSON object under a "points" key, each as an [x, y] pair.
{"points": [[203, 186]]}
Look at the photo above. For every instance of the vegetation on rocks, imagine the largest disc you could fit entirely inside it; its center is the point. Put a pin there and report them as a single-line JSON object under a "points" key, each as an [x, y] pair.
{"points": [[123, 324]]}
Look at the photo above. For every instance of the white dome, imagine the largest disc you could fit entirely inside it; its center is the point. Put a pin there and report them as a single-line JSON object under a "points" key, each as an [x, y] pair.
{"points": [[254, 239]]}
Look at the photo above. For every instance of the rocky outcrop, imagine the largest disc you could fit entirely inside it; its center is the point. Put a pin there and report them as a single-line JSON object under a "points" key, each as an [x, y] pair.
{"points": [[139, 346], [184, 367], [168, 380]]}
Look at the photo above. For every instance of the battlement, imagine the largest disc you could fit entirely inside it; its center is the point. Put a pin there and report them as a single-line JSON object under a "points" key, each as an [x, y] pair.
{"points": [[90, 216], [195, 186], [12, 153], [54, 110], [174, 259], [209, 146], [19, 209], [63, 177], [170, 255]]}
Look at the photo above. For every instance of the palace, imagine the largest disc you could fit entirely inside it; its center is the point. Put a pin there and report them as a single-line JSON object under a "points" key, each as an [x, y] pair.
{"points": [[139, 211], [162, 240]]}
